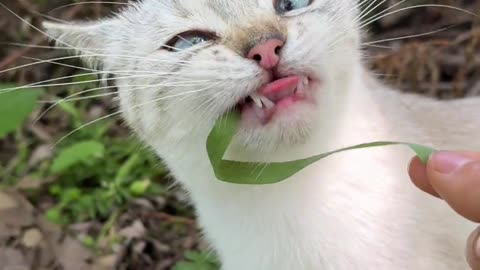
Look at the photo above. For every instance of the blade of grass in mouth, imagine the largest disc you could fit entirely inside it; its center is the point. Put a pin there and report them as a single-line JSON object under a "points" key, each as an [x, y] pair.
{"points": [[254, 173]]}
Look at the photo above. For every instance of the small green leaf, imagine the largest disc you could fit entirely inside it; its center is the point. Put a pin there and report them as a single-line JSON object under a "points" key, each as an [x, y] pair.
{"points": [[55, 215], [254, 173], [195, 260], [77, 153], [127, 167], [15, 106], [89, 242], [139, 188], [74, 112]]}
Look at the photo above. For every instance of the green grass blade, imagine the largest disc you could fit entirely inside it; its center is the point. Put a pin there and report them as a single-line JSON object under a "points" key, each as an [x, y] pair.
{"points": [[254, 173]]}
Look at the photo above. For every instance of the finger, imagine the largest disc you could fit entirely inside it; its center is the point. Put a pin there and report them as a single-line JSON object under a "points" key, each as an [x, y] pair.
{"points": [[455, 177], [418, 174], [473, 250]]}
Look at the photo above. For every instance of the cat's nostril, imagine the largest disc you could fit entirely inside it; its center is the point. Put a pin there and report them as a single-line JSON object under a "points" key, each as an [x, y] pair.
{"points": [[267, 54], [277, 50]]}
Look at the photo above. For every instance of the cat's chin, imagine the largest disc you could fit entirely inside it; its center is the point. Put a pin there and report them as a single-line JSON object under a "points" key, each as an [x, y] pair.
{"points": [[280, 114], [290, 126]]}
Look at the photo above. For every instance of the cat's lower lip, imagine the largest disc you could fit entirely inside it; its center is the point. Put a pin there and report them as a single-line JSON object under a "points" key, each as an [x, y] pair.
{"points": [[277, 95]]}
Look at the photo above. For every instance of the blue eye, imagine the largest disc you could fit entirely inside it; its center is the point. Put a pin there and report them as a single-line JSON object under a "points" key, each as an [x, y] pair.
{"points": [[187, 40], [283, 6]]}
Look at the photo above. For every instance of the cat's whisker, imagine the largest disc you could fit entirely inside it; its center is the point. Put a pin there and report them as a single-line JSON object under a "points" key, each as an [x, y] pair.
{"points": [[380, 13], [261, 171], [369, 9], [42, 83], [417, 6], [53, 60], [60, 48], [57, 41], [89, 2], [30, 87], [182, 38], [201, 111], [36, 28], [37, 46], [38, 85], [48, 17], [208, 101], [38, 63], [122, 111], [409, 36], [72, 100], [178, 50], [72, 97], [378, 46], [61, 64], [118, 72]]}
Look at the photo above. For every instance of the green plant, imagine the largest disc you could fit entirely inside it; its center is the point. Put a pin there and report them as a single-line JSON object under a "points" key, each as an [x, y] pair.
{"points": [[196, 260], [253, 173], [15, 106], [95, 179], [93, 173]]}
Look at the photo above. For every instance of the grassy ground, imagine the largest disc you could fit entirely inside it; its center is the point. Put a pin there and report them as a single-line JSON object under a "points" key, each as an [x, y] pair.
{"points": [[98, 199]]}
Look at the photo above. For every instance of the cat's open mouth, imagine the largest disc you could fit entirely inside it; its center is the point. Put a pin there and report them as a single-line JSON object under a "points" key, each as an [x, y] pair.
{"points": [[277, 95]]}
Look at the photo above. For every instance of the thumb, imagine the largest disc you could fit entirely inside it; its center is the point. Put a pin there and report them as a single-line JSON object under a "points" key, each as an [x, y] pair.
{"points": [[455, 176]]}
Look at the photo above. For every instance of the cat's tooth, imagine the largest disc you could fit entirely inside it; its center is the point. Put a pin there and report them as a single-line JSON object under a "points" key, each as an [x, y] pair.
{"points": [[267, 102], [305, 81], [257, 100], [259, 112], [300, 88]]}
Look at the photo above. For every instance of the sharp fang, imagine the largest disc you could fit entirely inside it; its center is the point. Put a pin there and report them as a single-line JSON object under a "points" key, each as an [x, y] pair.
{"points": [[267, 102], [257, 100], [300, 88], [301, 85]]}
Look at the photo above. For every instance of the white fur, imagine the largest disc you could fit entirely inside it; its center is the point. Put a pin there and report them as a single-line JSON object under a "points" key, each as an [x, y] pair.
{"points": [[354, 210]]}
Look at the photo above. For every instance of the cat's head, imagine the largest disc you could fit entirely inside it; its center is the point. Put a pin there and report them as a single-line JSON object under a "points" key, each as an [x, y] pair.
{"points": [[180, 64]]}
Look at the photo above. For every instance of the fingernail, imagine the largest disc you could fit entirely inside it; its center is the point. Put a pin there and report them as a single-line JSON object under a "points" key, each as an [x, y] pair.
{"points": [[448, 162]]}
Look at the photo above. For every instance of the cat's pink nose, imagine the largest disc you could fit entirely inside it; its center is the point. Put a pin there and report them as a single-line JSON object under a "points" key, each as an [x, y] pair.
{"points": [[267, 53]]}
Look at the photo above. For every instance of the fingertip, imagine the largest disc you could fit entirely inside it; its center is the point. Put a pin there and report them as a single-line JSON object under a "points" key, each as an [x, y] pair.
{"points": [[456, 178], [418, 174]]}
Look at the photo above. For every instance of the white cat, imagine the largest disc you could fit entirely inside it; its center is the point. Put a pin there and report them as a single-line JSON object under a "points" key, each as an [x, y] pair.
{"points": [[294, 68]]}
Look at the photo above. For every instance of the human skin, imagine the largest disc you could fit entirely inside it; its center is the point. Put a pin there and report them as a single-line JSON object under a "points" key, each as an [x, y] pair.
{"points": [[455, 178]]}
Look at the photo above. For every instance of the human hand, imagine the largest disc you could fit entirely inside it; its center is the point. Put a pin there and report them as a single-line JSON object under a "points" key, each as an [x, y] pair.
{"points": [[455, 178]]}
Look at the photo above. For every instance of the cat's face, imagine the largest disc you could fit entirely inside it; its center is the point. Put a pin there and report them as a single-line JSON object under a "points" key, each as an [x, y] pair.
{"points": [[181, 64]]}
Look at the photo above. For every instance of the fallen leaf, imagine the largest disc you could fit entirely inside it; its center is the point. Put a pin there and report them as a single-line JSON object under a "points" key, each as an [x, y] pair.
{"points": [[105, 263], [136, 230], [7, 202], [32, 238], [41, 153]]}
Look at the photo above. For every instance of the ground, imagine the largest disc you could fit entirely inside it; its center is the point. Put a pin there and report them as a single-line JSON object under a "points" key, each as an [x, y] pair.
{"points": [[98, 199]]}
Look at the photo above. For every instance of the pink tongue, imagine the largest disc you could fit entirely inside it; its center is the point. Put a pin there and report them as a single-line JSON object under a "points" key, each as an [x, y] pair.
{"points": [[274, 88]]}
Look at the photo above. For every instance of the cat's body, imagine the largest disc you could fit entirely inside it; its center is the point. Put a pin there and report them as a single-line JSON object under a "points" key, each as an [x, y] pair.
{"points": [[353, 210]]}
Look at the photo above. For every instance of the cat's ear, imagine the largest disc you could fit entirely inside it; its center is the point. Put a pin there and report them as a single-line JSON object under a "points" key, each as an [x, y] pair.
{"points": [[90, 40]]}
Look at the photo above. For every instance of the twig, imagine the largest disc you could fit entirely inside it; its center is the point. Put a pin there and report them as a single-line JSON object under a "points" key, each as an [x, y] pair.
{"points": [[13, 57], [171, 219]]}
